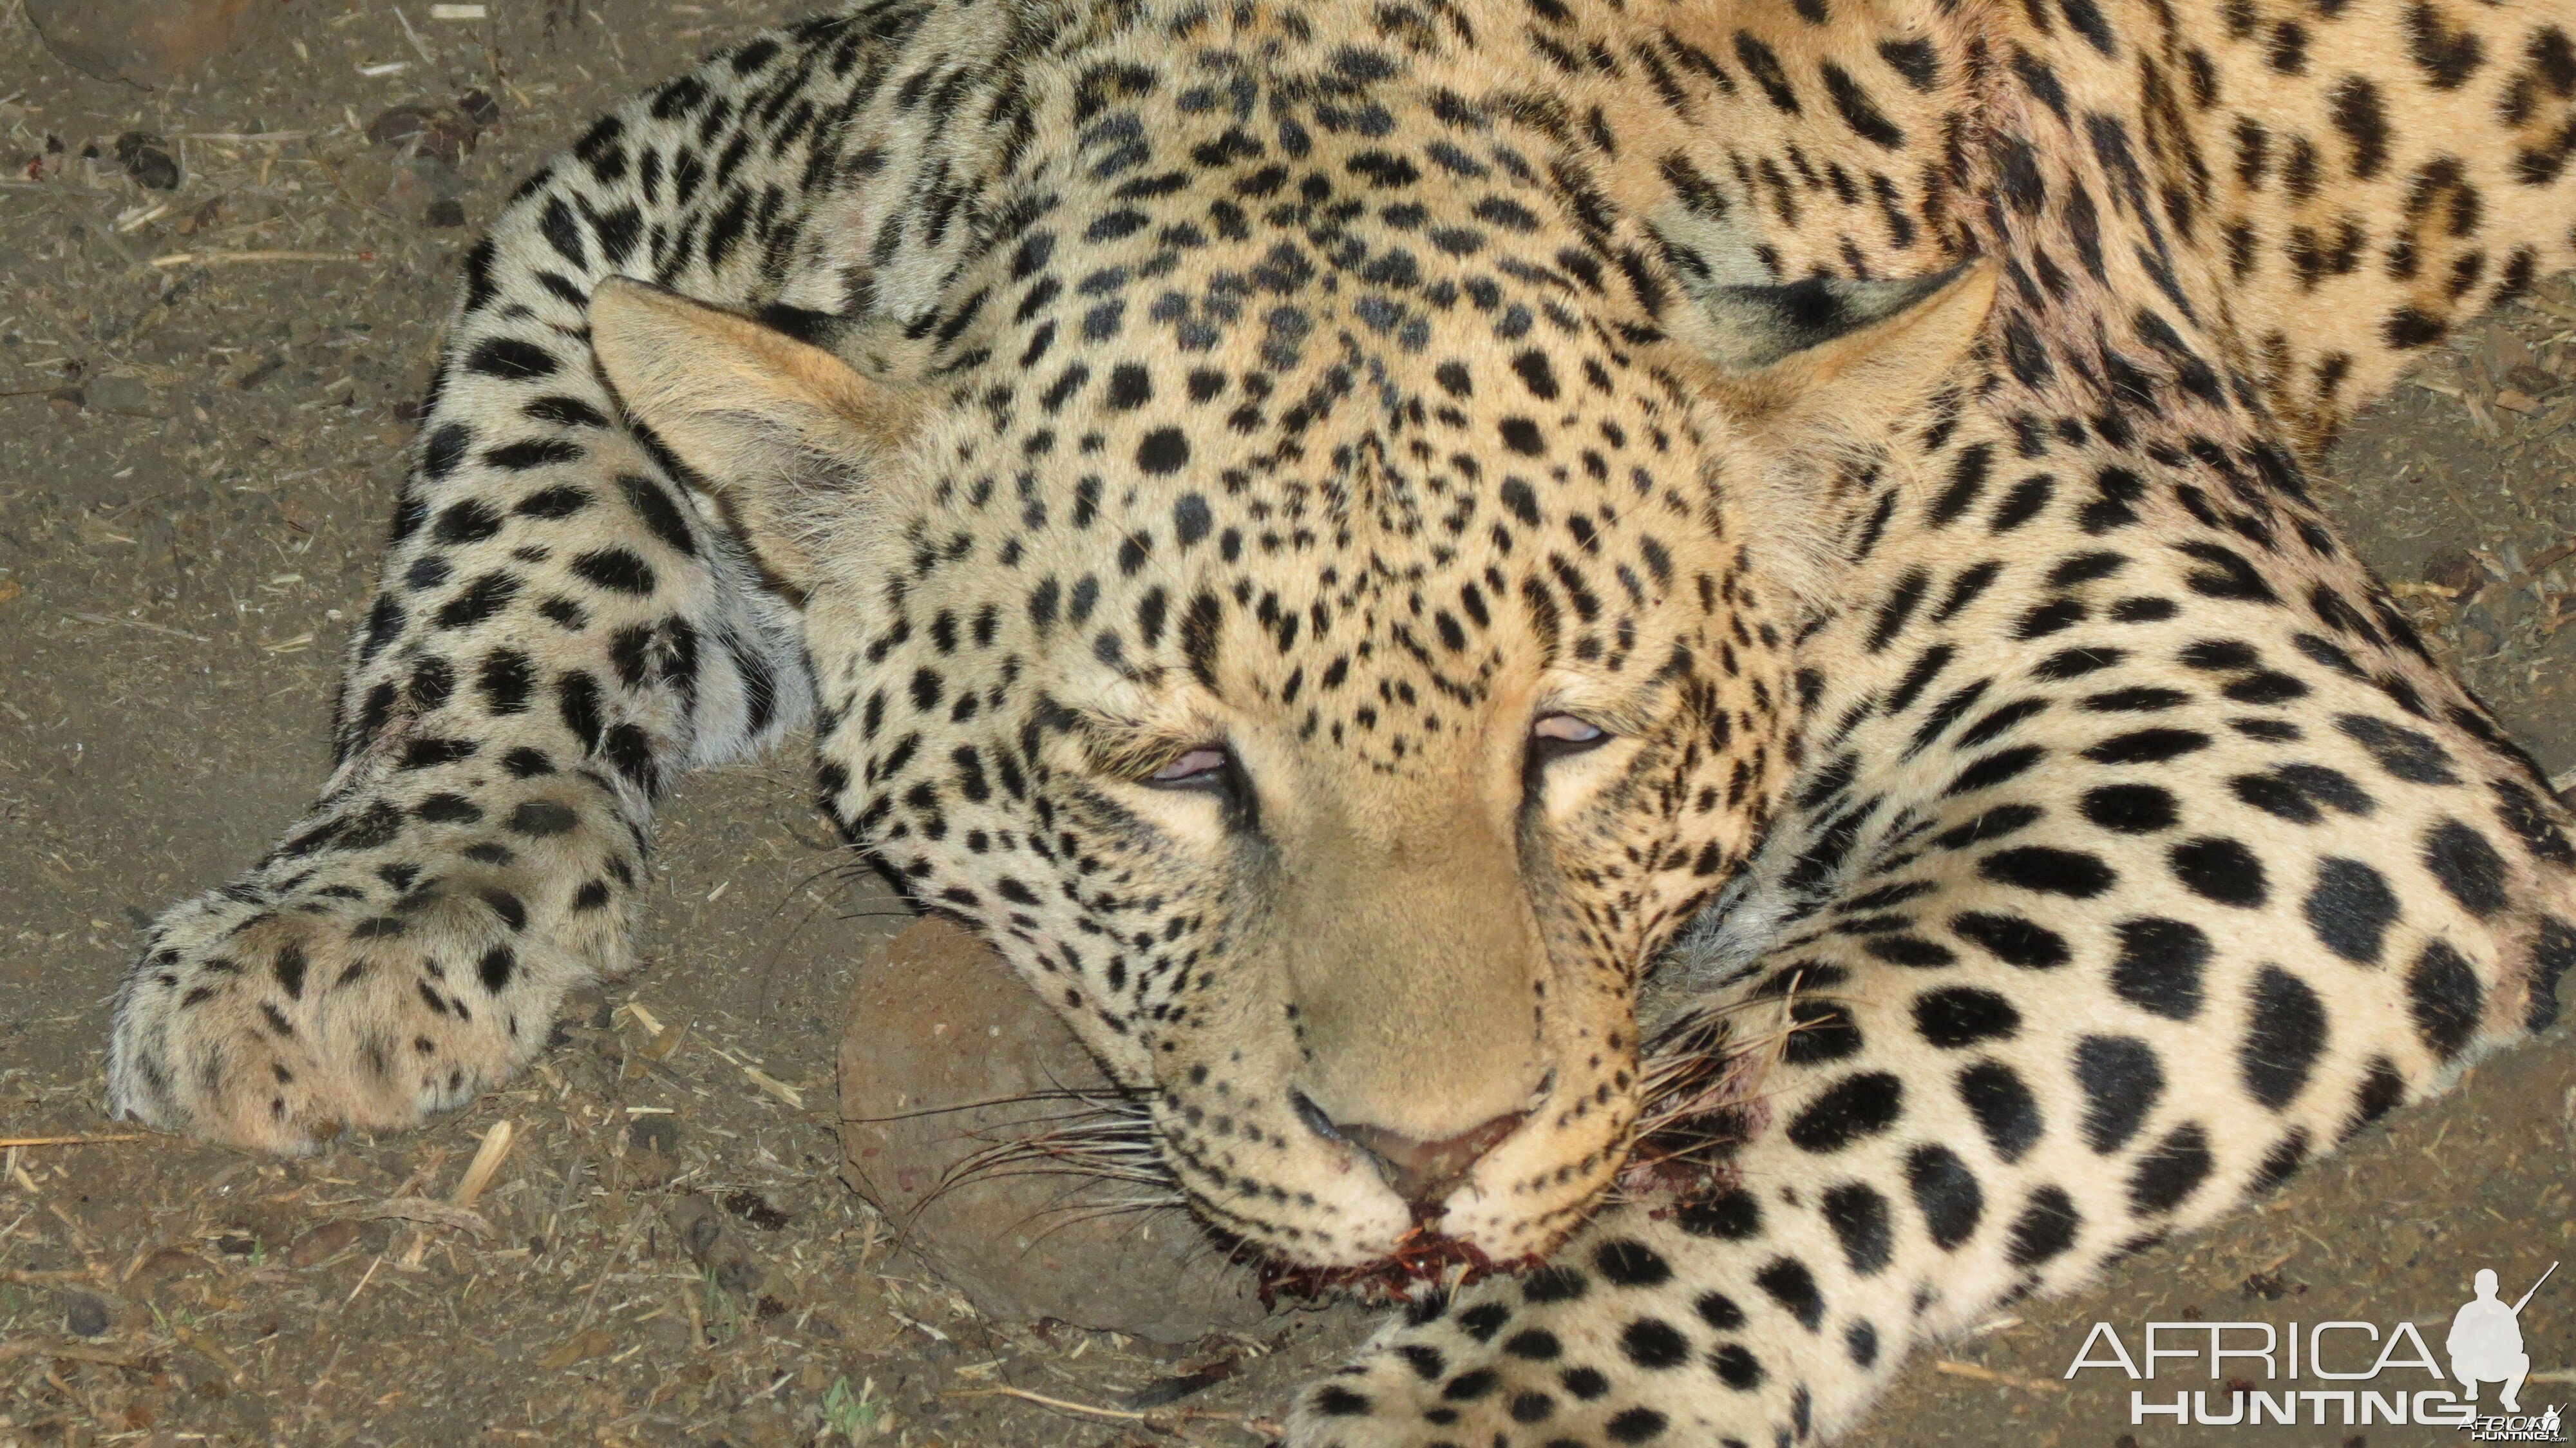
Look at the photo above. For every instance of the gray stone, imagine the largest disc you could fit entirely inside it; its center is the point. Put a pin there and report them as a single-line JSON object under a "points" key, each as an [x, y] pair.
{"points": [[145, 42], [654, 1133], [84, 1315], [701, 1232]]}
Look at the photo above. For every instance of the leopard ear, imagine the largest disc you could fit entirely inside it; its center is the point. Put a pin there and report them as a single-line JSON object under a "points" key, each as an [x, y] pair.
{"points": [[771, 425], [1811, 377], [1829, 345]]}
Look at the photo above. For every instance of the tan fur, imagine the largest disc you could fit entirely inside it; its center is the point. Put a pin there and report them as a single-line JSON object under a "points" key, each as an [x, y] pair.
{"points": [[771, 419]]}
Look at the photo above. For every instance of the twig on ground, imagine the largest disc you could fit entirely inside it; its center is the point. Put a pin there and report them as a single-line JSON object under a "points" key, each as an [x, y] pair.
{"points": [[486, 1164], [229, 258], [362, 1282], [36, 1347], [615, 1255], [176, 633], [1124, 1415], [27, 1277], [426, 1212], [1989, 1375]]}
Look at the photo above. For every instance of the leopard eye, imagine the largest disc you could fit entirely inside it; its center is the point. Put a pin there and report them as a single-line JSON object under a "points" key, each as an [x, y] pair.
{"points": [[1203, 765], [1567, 731], [1553, 737]]}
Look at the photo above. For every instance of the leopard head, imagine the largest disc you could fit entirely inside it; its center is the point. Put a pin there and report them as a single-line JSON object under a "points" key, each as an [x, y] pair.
{"points": [[1332, 709]]}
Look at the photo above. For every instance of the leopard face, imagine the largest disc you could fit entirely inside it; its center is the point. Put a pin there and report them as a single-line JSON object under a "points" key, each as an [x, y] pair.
{"points": [[1328, 703]]}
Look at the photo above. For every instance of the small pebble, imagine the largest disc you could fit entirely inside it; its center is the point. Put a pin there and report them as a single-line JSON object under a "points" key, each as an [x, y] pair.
{"points": [[754, 1208], [696, 1226], [84, 1315], [442, 135], [397, 124], [701, 1233], [2454, 569], [654, 1133], [146, 158]]}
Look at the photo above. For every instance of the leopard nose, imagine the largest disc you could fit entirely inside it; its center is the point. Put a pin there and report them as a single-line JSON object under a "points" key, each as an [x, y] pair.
{"points": [[1418, 1171]]}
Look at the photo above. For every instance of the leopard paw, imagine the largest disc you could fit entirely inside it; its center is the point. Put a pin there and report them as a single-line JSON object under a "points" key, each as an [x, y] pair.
{"points": [[370, 985]]}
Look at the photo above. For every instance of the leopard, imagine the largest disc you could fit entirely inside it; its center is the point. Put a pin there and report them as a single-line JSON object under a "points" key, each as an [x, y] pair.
{"points": [[1410, 564]]}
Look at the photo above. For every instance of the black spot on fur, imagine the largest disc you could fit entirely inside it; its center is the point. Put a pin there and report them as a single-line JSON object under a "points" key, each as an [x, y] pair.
{"points": [[2551, 955], [1335, 1401], [2220, 869], [2013, 939], [2131, 809], [2382, 1090], [2350, 908], [2047, 870], [1731, 1217], [1946, 1192], [2468, 867], [1791, 1285], [2406, 753], [2122, 1080], [1860, 1220], [2283, 1038], [539, 818], [1959, 1016], [2047, 1226], [2147, 746], [1736, 1366], [2170, 1171], [1654, 1344], [1628, 1263], [510, 358], [2445, 998], [616, 570], [289, 968], [1851, 1109]]}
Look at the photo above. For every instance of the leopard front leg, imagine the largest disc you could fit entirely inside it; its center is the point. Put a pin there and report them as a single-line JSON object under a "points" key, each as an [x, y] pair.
{"points": [[550, 646], [561, 630], [512, 711]]}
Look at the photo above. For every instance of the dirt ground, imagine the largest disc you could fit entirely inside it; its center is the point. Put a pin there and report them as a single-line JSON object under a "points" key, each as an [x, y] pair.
{"points": [[195, 463]]}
